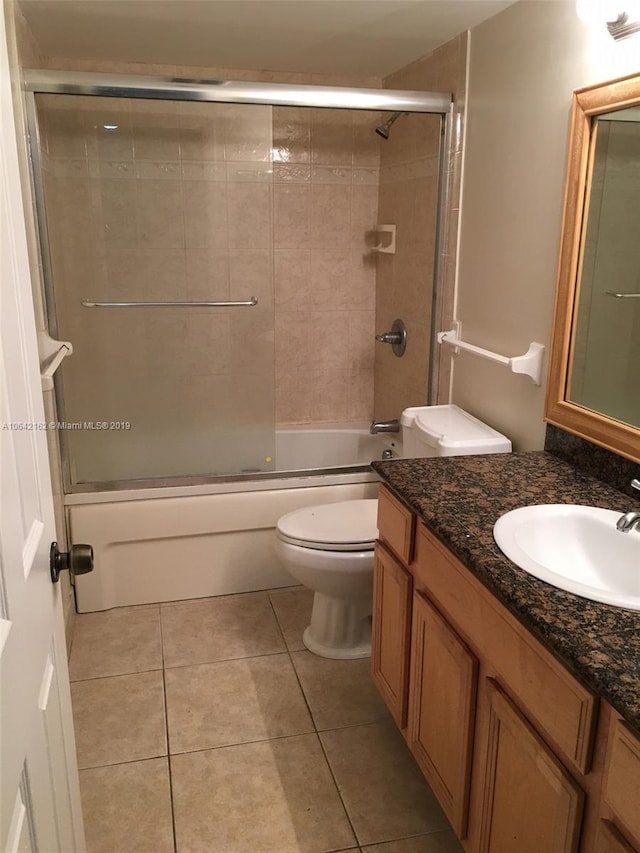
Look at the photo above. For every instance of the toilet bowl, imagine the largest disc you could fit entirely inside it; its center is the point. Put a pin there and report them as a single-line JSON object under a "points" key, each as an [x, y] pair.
{"points": [[329, 549]]}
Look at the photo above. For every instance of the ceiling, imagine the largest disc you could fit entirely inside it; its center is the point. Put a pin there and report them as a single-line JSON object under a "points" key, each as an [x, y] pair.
{"points": [[352, 37]]}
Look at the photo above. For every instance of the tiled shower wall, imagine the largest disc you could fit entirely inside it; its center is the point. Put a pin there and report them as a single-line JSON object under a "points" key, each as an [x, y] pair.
{"points": [[326, 197], [324, 206], [408, 198]]}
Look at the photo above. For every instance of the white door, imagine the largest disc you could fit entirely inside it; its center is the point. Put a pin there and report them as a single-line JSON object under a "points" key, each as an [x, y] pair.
{"points": [[39, 794]]}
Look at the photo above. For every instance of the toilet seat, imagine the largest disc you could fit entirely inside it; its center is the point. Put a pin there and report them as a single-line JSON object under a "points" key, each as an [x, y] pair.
{"points": [[344, 526]]}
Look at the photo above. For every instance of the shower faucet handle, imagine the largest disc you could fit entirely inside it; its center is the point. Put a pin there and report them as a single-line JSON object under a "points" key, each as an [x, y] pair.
{"points": [[390, 338], [397, 337]]}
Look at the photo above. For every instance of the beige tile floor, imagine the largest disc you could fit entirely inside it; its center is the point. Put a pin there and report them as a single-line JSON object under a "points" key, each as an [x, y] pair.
{"points": [[206, 727]]}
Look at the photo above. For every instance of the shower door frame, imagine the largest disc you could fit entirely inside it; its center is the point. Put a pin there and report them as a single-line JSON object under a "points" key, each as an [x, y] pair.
{"points": [[39, 81]]}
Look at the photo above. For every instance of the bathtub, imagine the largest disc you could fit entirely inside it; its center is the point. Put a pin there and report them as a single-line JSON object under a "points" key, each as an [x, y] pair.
{"points": [[172, 542]]}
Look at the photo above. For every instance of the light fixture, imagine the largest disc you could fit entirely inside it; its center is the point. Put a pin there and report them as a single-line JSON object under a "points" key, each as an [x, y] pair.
{"points": [[621, 17], [623, 26]]}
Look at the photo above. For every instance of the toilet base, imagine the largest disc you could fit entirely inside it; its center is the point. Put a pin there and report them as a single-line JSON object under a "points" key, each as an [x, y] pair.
{"points": [[340, 628]]}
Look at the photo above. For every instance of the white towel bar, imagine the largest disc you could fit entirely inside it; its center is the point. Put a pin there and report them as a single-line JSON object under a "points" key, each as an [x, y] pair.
{"points": [[530, 364]]}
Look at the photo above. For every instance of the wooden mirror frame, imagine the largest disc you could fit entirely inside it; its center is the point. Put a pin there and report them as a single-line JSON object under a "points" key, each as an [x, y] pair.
{"points": [[619, 437]]}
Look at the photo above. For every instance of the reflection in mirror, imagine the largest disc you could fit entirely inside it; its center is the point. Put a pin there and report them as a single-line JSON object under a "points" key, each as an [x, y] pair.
{"points": [[593, 388], [604, 366]]}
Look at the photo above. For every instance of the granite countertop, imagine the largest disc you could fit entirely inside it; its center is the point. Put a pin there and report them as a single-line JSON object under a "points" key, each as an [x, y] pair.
{"points": [[461, 497]]}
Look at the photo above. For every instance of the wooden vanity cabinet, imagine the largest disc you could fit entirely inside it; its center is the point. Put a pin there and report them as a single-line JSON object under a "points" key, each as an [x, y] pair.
{"points": [[621, 797], [609, 840], [529, 802], [442, 694], [392, 588], [503, 733], [392, 592]]}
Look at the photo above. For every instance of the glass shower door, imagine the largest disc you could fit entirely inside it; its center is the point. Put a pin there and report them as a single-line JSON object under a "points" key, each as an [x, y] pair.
{"points": [[167, 204]]}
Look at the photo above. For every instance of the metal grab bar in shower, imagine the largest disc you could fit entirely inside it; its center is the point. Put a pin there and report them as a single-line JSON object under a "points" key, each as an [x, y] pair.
{"points": [[250, 302], [622, 295]]}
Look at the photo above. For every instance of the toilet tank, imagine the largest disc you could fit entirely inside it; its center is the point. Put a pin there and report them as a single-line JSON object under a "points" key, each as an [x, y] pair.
{"points": [[447, 431]]}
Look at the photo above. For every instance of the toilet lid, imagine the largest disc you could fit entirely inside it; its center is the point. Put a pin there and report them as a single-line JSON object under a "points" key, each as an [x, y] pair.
{"points": [[345, 526]]}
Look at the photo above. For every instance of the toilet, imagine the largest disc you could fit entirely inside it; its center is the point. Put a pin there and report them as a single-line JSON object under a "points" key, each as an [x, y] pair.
{"points": [[329, 549]]}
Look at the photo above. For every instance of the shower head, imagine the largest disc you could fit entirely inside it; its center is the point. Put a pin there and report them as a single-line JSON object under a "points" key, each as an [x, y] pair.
{"points": [[383, 129]]}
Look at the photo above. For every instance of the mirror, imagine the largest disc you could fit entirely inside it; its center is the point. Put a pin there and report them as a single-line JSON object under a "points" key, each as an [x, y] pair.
{"points": [[594, 367]]}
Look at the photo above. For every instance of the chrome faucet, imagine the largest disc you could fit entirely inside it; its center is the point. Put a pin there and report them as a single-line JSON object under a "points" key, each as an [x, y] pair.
{"points": [[631, 519], [628, 521], [384, 426]]}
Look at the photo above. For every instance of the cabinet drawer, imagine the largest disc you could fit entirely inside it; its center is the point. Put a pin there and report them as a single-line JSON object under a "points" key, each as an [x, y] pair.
{"points": [[622, 787], [396, 525], [560, 706]]}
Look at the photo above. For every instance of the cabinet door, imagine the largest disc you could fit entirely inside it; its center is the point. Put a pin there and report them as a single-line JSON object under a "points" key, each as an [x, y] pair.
{"points": [[441, 709], [530, 803], [390, 632], [622, 788], [609, 840]]}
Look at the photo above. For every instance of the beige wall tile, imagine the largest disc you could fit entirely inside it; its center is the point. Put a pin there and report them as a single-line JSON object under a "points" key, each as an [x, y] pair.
{"points": [[331, 137], [292, 282], [249, 211], [202, 128], [330, 216], [251, 274], [209, 335], [292, 212], [364, 213], [248, 132], [145, 274], [207, 273], [313, 341], [312, 396], [160, 213], [291, 135], [128, 807], [291, 173], [361, 395], [205, 215], [252, 342], [366, 142], [361, 339]]}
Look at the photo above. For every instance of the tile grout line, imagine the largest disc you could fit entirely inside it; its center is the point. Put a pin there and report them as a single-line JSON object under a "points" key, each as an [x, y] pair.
{"points": [[179, 666], [316, 732], [166, 726]]}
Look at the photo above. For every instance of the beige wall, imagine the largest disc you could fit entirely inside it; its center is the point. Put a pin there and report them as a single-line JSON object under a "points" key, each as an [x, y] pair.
{"points": [[524, 65], [408, 199]]}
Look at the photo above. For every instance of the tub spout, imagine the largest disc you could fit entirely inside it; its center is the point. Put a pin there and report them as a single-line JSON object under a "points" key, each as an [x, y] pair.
{"points": [[384, 426]]}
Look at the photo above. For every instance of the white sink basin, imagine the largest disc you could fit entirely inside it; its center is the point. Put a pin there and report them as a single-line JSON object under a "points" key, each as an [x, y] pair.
{"points": [[576, 548]]}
